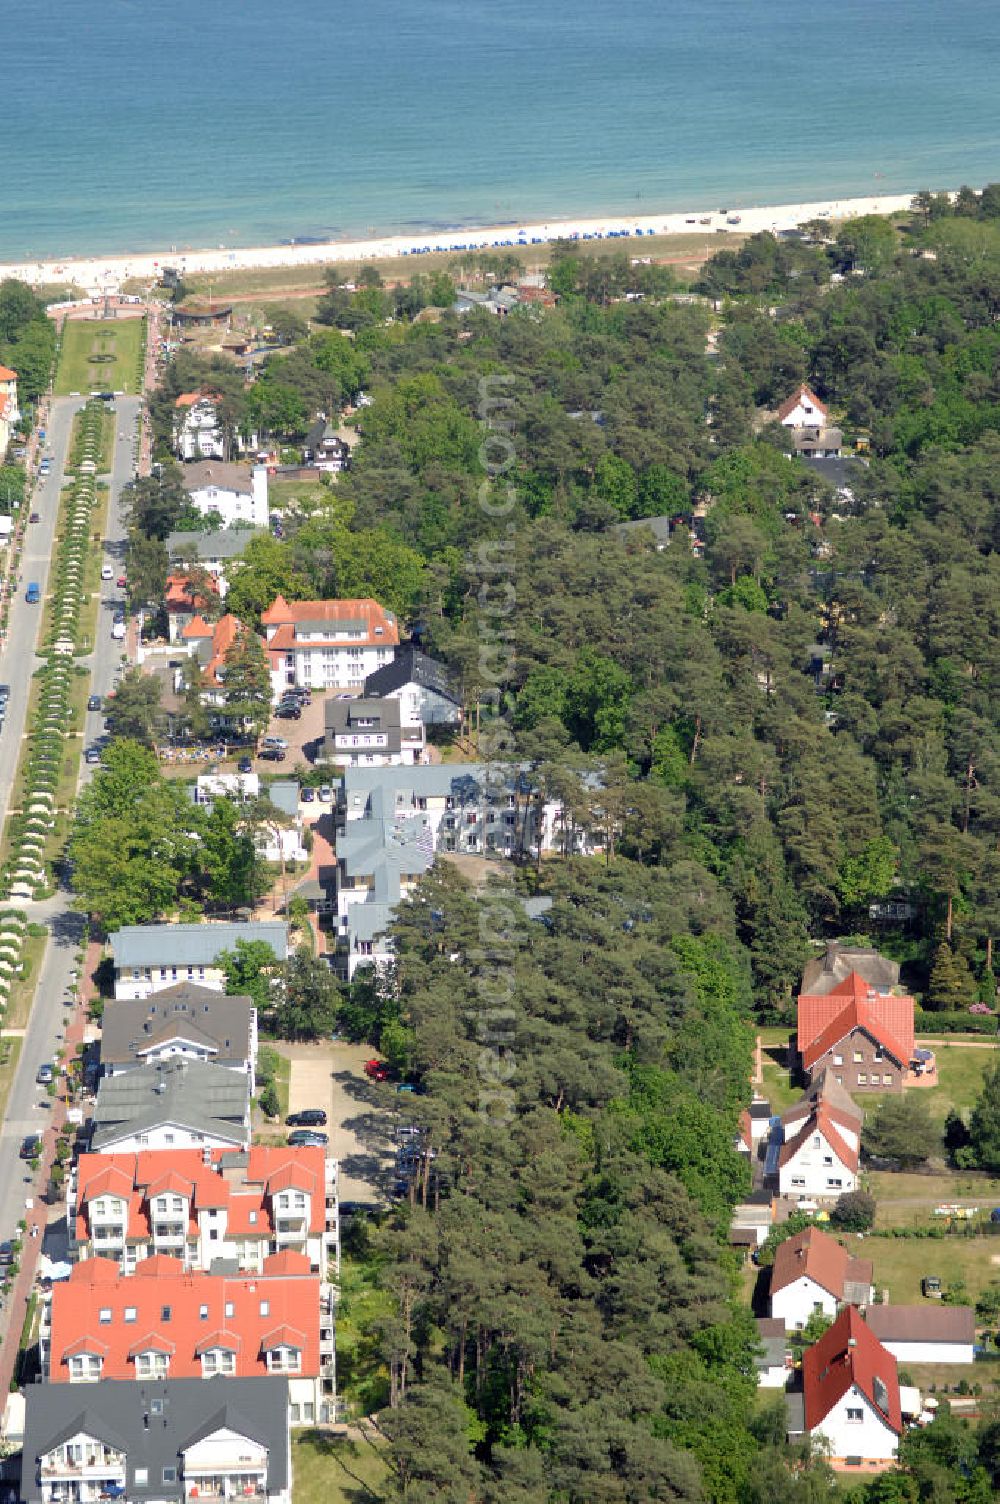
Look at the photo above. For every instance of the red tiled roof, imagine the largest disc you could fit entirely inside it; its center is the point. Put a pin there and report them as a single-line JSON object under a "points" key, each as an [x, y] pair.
{"points": [[180, 597], [848, 1355], [196, 627], [174, 1182], [285, 616], [188, 399], [6, 374], [169, 1303], [802, 392], [746, 1129], [221, 1338], [814, 1254], [288, 1261], [283, 1336], [138, 1176], [85, 1345], [824, 1020], [826, 1121]]}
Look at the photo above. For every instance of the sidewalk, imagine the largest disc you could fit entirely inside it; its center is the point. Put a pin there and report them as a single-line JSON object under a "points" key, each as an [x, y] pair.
{"points": [[39, 1215]]}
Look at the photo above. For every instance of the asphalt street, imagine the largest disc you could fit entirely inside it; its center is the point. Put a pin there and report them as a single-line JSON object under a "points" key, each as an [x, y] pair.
{"points": [[28, 1107]]}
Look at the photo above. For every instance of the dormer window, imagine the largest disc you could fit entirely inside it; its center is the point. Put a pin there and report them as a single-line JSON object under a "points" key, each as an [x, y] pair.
{"points": [[284, 1360], [85, 1368], [151, 1365]]}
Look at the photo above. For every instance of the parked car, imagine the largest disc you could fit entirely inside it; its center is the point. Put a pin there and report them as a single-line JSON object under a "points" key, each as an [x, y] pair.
{"points": [[121, 582], [272, 754], [30, 1146], [930, 1286], [245, 765], [4, 693], [94, 702], [308, 795], [377, 1070], [45, 1075], [107, 573], [92, 756], [326, 793], [33, 594], [309, 1117], [307, 1138], [6, 1254], [34, 517], [288, 710]]}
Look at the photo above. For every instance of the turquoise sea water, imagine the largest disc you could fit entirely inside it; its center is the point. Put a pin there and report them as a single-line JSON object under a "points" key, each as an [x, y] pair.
{"points": [[140, 124]]}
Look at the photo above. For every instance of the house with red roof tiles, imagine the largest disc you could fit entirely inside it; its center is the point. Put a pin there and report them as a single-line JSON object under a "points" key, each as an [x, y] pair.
{"points": [[331, 645], [850, 1396], [164, 1322], [209, 643], [814, 1273], [248, 1206], [184, 599], [9, 413], [862, 1034], [819, 1153], [803, 409]]}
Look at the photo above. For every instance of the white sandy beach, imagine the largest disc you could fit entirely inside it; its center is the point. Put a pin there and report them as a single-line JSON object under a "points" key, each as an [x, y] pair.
{"points": [[107, 272]]}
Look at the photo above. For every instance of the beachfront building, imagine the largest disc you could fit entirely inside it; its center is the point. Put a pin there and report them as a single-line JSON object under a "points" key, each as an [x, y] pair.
{"points": [[332, 645], [234, 493], [174, 1104], [240, 1205], [185, 1022], [166, 1322], [197, 431], [164, 1442], [152, 957], [9, 412]]}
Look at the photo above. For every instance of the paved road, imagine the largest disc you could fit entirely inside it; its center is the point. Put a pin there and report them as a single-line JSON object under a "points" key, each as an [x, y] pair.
{"points": [[28, 1108]]}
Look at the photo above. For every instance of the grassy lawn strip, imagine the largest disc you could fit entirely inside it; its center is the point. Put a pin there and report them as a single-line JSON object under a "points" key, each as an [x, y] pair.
{"points": [[334, 1470], [83, 338], [23, 988], [901, 1263], [362, 1377], [10, 1051]]}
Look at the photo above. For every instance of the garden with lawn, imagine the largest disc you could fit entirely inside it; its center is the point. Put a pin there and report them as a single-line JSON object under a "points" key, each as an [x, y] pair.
{"points": [[100, 355]]}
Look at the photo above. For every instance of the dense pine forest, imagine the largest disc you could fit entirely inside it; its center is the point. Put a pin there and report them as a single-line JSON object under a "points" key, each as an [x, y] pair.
{"points": [[785, 723]]}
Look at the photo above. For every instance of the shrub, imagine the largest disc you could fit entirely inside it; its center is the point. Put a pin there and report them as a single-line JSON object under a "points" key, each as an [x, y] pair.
{"points": [[854, 1212], [269, 1104]]}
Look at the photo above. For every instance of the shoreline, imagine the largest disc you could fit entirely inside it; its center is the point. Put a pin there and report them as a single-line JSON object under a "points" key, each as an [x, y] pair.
{"points": [[104, 273]]}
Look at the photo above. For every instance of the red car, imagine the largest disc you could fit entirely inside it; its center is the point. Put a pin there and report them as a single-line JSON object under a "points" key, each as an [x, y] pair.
{"points": [[376, 1070], [122, 582]]}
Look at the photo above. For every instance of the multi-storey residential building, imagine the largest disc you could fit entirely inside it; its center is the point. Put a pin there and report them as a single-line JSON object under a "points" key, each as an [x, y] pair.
{"points": [[9, 412], [212, 551], [152, 957], [234, 493], [162, 1442], [175, 1104], [164, 1322], [367, 733], [427, 692], [186, 1022], [330, 645], [203, 1205]]}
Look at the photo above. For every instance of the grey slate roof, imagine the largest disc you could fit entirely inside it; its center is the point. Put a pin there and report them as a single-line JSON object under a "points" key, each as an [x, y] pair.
{"points": [[212, 1018], [154, 1435], [771, 1335], [823, 973], [191, 944], [284, 795], [206, 1099], [410, 666], [399, 787], [222, 543], [342, 718]]}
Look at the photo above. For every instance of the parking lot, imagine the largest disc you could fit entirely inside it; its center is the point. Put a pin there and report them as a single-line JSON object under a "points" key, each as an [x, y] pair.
{"points": [[359, 1125]]}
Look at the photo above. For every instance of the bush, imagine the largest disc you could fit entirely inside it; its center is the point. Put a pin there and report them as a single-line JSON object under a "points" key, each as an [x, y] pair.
{"points": [[854, 1212], [268, 1099], [954, 1023]]}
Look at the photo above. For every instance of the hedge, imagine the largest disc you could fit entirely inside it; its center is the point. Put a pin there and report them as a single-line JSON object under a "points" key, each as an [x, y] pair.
{"points": [[954, 1023]]}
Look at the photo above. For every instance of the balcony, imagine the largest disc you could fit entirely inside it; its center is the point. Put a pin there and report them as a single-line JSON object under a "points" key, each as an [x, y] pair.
{"points": [[291, 1231]]}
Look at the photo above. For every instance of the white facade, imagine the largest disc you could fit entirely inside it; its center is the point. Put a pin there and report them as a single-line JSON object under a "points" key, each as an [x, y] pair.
{"points": [[417, 703], [318, 660], [774, 1376], [930, 1352], [234, 504], [801, 1299], [80, 1469], [174, 1136], [143, 981], [198, 433], [854, 1428], [808, 412], [816, 1171]]}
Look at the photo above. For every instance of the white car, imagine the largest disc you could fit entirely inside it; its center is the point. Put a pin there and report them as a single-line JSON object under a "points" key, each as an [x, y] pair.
{"points": [[107, 573], [118, 631]]}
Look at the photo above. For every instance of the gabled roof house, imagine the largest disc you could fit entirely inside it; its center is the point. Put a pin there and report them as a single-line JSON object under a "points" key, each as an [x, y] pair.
{"points": [[812, 1272], [850, 1395], [864, 1035]]}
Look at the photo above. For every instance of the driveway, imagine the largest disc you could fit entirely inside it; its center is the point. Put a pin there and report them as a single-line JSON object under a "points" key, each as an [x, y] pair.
{"points": [[359, 1125]]}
